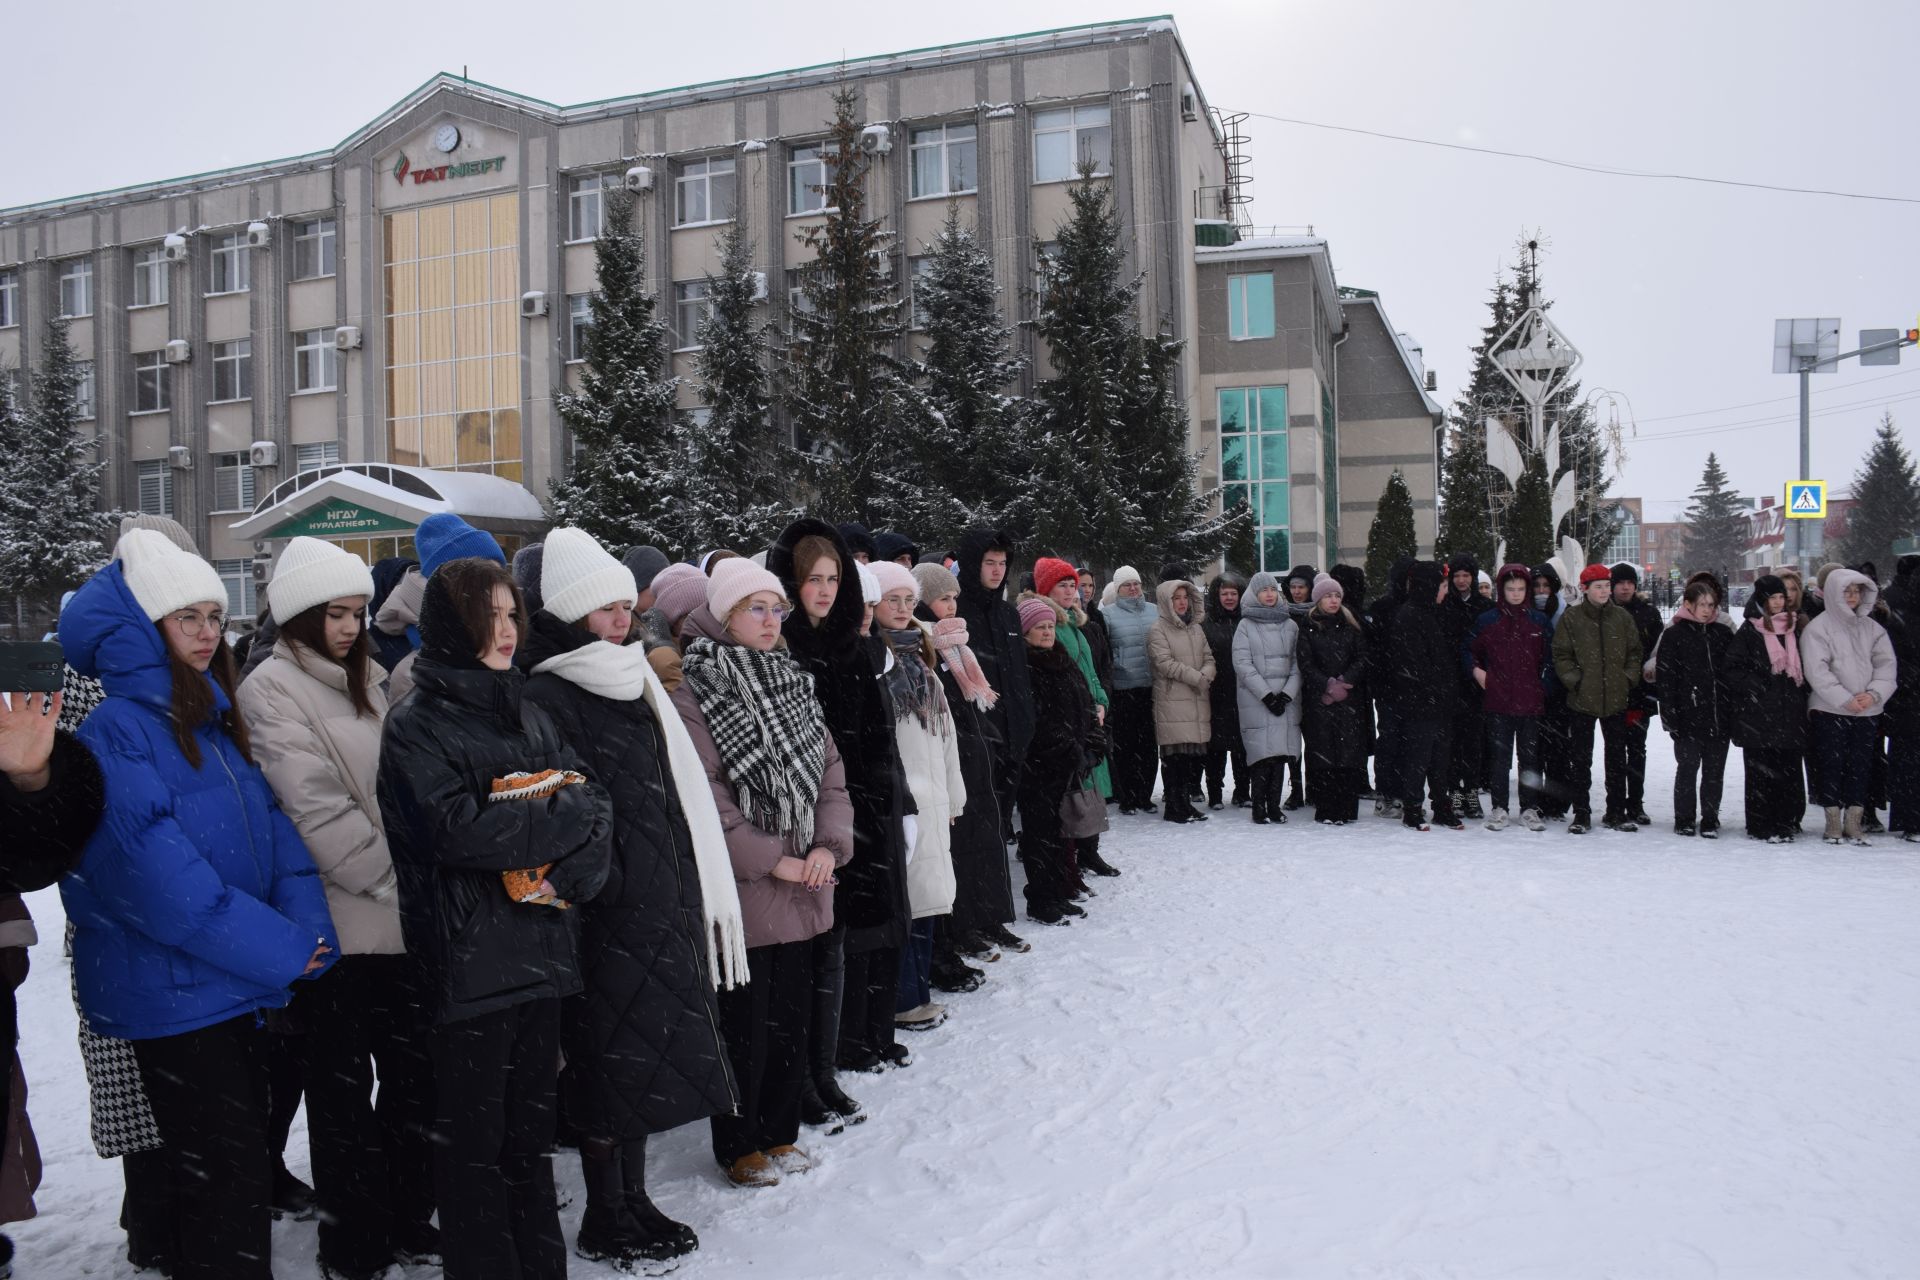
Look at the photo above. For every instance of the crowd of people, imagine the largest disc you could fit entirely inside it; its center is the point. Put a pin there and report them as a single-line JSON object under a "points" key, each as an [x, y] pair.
{"points": [[578, 849]]}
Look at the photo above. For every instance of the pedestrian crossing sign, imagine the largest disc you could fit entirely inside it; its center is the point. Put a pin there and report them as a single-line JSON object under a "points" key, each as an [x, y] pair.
{"points": [[1806, 500]]}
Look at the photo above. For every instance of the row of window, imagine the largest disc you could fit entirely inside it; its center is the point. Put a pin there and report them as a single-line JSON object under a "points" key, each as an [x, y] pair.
{"points": [[233, 478], [229, 270], [315, 368], [942, 160]]}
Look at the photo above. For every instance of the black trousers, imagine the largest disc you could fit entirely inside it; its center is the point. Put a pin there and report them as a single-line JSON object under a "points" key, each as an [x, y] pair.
{"points": [[1336, 792], [1774, 795], [1136, 758], [1903, 783], [1845, 746], [209, 1093], [866, 1006], [1426, 768], [1504, 735], [372, 1157], [1556, 760], [1706, 760], [494, 1122], [1469, 771], [827, 954], [1388, 751], [1635, 736], [1217, 756], [765, 1025], [1613, 730]]}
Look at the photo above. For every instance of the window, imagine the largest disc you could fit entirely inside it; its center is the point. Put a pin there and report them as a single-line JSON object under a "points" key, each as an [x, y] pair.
{"points": [[703, 192], [690, 306], [314, 248], [579, 321], [153, 482], [807, 179], [586, 204], [1625, 547], [151, 386], [149, 277], [232, 482], [1250, 306], [917, 271], [315, 365], [312, 457], [83, 393], [230, 262], [233, 370], [700, 416], [76, 288], [944, 160], [1253, 466], [798, 303], [238, 575], [1066, 138], [9, 299]]}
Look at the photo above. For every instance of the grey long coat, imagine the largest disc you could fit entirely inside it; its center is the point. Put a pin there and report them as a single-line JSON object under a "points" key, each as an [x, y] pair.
{"points": [[1264, 662]]}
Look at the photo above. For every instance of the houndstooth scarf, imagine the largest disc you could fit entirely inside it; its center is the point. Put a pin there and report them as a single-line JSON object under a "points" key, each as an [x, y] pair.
{"points": [[769, 731]]}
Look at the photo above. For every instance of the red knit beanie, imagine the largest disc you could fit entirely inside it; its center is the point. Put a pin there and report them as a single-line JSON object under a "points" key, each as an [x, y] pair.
{"points": [[1049, 572], [1595, 573]]}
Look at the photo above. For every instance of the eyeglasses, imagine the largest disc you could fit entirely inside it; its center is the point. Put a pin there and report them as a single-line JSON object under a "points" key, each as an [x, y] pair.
{"points": [[192, 624], [762, 612]]}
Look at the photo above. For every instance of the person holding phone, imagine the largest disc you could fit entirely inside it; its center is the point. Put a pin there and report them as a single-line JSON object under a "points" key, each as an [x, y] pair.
{"points": [[196, 905]]}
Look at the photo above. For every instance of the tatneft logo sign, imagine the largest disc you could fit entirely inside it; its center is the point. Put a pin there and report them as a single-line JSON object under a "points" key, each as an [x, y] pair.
{"points": [[403, 169]]}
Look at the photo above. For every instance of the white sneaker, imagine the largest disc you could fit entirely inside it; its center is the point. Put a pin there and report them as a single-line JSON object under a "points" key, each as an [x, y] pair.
{"points": [[1497, 822], [1532, 821]]}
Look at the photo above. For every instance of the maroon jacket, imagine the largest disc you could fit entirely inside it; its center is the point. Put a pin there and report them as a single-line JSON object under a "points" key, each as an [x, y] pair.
{"points": [[1514, 646]]}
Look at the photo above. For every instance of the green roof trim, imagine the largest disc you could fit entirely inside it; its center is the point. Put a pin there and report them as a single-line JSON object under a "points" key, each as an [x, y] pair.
{"points": [[449, 79]]}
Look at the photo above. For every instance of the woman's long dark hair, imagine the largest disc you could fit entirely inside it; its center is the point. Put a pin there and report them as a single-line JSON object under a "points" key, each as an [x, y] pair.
{"points": [[308, 629], [193, 700]]}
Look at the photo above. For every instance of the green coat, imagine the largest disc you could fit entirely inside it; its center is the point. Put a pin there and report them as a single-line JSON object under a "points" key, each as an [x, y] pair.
{"points": [[1069, 636], [1597, 655]]}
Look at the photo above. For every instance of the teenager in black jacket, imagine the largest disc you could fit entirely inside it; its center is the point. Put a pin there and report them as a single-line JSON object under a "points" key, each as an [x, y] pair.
{"points": [[1556, 726], [496, 968], [1388, 747], [1693, 668], [1645, 699], [1333, 684], [1059, 757], [1425, 668], [993, 628], [1462, 609], [1223, 619], [1770, 694]]}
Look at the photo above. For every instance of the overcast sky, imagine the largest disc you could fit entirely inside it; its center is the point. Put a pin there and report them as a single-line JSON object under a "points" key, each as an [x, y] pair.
{"points": [[1669, 288]]}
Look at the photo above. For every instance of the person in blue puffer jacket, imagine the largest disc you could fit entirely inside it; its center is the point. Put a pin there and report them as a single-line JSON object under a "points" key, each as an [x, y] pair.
{"points": [[1136, 758], [195, 905]]}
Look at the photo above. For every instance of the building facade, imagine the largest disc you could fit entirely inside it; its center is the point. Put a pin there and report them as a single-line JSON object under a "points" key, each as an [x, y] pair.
{"points": [[414, 297]]}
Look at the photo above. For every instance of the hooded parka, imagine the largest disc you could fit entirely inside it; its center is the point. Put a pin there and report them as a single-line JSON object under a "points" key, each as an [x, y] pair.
{"points": [[1425, 664], [1223, 695], [1846, 652], [1265, 653], [996, 639], [1333, 648], [1182, 670]]}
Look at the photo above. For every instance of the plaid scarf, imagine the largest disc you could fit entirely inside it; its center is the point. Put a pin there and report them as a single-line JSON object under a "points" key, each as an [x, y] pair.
{"points": [[767, 726]]}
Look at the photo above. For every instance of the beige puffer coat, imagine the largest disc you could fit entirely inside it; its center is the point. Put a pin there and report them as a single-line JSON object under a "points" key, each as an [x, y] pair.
{"points": [[1182, 662], [323, 762]]}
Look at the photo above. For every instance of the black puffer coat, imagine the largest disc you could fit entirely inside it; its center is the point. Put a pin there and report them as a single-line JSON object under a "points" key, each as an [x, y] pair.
{"points": [[872, 894], [1646, 695], [1458, 615], [1695, 693], [993, 630], [440, 751], [1060, 753], [1378, 625], [983, 882], [642, 1041], [1338, 733], [1769, 711], [1224, 692], [1099, 643], [1424, 662]]}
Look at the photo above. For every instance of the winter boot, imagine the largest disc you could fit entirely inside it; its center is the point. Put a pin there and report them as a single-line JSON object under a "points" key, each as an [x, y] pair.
{"points": [[1090, 860], [953, 975], [752, 1170], [1006, 939], [1835, 816], [1498, 822], [1852, 827], [292, 1198], [1532, 821], [661, 1238], [1581, 824], [1683, 826], [1469, 806], [608, 1232], [790, 1158], [816, 1114]]}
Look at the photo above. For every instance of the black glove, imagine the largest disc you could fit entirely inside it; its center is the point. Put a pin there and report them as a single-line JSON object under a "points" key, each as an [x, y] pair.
{"points": [[1277, 702]]}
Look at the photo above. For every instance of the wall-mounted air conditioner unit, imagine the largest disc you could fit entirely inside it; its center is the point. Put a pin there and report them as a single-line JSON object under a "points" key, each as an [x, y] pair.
{"points": [[639, 178], [876, 140], [179, 351], [257, 235], [263, 453], [532, 303], [347, 338], [174, 248], [179, 457], [1189, 102]]}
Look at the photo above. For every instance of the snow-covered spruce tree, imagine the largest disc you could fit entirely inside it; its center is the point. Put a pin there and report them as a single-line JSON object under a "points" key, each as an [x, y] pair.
{"points": [[846, 390], [1886, 501], [732, 475], [1466, 518], [1112, 430], [1716, 524], [52, 532], [1392, 534], [1530, 517], [978, 455], [622, 418]]}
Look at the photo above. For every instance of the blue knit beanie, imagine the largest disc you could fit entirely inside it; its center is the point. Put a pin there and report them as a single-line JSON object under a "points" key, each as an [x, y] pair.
{"points": [[445, 537]]}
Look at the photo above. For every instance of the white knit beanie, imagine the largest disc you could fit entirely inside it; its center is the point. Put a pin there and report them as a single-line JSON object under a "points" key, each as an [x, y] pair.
{"points": [[869, 585], [577, 576], [311, 572], [163, 578], [1124, 574], [733, 580], [893, 577]]}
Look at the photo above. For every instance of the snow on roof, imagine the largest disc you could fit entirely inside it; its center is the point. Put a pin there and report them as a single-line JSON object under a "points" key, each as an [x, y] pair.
{"points": [[405, 493], [1415, 367]]}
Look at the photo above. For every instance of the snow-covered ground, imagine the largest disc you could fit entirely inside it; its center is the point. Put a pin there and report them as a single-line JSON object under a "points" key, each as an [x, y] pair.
{"points": [[1309, 1052]]}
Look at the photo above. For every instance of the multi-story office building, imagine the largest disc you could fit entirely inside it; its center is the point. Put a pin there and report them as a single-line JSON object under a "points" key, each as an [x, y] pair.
{"points": [[403, 307]]}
